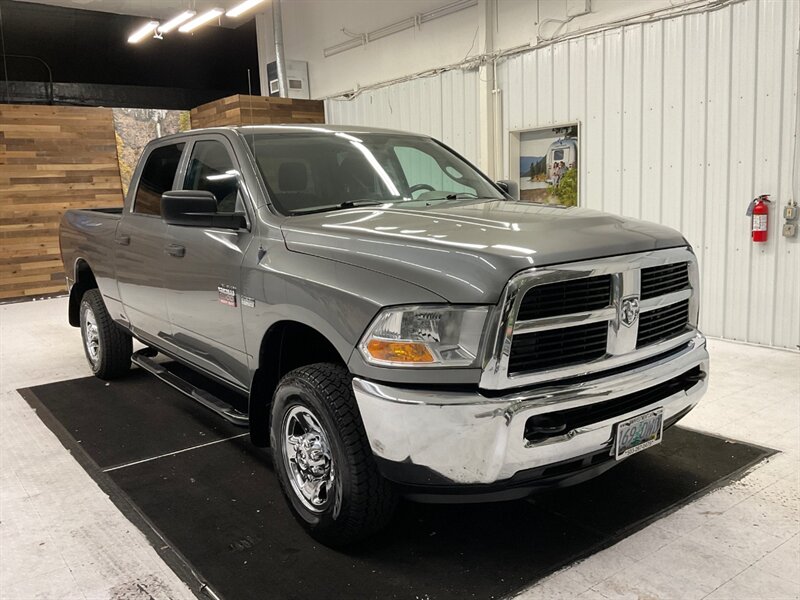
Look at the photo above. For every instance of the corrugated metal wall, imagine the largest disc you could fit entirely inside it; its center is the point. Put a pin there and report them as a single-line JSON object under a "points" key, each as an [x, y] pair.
{"points": [[683, 121], [444, 106]]}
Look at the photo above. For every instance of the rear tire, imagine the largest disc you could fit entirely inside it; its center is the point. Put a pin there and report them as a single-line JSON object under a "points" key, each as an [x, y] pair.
{"points": [[323, 459], [107, 346]]}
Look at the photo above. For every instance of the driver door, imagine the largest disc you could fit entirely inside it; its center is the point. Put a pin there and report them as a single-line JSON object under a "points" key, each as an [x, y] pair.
{"points": [[203, 268]]}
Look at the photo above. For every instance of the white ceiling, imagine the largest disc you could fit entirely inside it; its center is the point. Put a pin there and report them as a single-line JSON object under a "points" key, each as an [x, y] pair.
{"points": [[157, 9]]}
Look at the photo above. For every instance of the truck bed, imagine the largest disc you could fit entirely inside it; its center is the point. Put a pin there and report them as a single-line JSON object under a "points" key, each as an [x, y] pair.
{"points": [[117, 210], [88, 233]]}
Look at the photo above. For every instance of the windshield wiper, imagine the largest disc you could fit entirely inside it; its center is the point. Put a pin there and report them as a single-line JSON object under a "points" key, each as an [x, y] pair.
{"points": [[460, 195], [346, 204]]}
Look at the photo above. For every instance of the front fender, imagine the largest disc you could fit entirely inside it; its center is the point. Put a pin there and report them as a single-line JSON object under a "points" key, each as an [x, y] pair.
{"points": [[336, 299]]}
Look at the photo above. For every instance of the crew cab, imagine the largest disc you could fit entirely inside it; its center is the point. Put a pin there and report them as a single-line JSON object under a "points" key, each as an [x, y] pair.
{"points": [[397, 323]]}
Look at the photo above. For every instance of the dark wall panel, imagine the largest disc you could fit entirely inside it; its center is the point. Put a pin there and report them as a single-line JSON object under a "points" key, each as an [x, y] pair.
{"points": [[87, 47]]}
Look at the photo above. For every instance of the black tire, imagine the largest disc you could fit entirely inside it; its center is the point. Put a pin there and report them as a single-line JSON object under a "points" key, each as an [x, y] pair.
{"points": [[361, 502], [107, 346]]}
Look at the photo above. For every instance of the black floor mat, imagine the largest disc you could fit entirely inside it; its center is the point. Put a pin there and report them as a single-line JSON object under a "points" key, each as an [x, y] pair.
{"points": [[213, 508]]}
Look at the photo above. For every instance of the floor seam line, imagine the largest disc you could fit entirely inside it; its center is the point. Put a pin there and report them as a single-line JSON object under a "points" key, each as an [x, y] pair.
{"points": [[152, 458]]}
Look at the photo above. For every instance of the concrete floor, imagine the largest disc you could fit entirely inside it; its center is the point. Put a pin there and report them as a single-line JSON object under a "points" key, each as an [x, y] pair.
{"points": [[61, 537]]}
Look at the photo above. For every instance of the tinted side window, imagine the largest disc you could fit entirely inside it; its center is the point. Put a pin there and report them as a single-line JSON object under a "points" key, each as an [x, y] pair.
{"points": [[157, 177], [211, 169]]}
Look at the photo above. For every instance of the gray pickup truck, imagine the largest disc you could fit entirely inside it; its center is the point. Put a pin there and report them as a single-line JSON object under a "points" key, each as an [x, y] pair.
{"points": [[395, 323]]}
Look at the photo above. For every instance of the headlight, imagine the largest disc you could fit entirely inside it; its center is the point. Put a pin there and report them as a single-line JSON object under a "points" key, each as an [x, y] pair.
{"points": [[425, 336]]}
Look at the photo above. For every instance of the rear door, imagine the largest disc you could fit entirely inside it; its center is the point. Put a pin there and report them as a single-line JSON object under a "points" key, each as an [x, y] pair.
{"points": [[139, 243], [203, 277]]}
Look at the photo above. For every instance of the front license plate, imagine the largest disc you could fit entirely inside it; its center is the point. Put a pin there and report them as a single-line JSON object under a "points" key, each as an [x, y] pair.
{"points": [[639, 433]]}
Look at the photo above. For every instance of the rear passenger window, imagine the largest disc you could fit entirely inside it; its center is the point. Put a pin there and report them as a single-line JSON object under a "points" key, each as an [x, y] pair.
{"points": [[157, 177]]}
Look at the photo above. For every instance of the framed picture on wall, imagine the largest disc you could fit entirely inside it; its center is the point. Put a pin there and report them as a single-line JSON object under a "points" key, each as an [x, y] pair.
{"points": [[548, 164]]}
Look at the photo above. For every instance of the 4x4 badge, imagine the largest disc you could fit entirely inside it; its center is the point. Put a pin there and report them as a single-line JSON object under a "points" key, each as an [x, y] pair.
{"points": [[227, 295], [629, 310]]}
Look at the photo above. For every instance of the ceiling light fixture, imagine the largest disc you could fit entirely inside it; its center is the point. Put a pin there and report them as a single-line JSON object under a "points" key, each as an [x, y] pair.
{"points": [[175, 21], [201, 20], [142, 32], [242, 8]]}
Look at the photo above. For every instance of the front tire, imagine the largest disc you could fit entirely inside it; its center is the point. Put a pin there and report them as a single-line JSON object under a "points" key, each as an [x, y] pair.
{"points": [[323, 458], [107, 346]]}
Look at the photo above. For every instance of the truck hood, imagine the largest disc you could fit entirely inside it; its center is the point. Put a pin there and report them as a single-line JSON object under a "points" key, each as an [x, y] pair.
{"points": [[466, 251]]}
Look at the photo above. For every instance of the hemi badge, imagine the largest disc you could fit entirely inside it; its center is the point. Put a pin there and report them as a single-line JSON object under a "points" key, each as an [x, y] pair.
{"points": [[248, 302], [227, 295]]}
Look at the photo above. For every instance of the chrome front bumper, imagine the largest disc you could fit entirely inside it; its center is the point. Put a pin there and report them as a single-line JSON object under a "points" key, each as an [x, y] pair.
{"points": [[466, 438]]}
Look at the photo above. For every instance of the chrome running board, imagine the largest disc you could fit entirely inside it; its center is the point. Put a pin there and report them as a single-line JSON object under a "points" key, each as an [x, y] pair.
{"points": [[199, 395]]}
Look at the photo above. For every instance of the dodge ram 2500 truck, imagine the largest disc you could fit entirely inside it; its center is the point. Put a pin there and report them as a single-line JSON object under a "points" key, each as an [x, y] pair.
{"points": [[398, 323]]}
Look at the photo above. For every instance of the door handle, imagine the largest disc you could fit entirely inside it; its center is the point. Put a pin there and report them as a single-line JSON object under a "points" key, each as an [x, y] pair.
{"points": [[175, 250], [123, 240]]}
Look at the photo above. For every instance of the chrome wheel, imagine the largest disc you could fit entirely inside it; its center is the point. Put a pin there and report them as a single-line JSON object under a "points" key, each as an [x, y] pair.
{"points": [[308, 459], [91, 337]]}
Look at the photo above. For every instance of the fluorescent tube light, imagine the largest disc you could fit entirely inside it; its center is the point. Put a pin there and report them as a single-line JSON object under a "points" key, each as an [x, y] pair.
{"points": [[175, 21], [201, 20], [242, 8], [142, 32]]}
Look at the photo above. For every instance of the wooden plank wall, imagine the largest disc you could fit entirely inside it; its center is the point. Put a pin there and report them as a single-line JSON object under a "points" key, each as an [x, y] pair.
{"points": [[257, 110], [57, 157], [51, 158]]}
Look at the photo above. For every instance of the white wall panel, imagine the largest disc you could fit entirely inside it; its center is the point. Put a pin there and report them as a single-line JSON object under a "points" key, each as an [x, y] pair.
{"points": [[545, 95], [613, 50], [632, 121], [718, 181], [652, 123], [787, 269], [577, 77], [593, 138], [683, 122], [676, 71], [444, 106], [692, 158], [561, 81]]}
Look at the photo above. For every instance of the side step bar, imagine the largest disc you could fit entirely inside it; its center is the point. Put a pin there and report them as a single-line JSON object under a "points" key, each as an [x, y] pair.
{"points": [[211, 402]]}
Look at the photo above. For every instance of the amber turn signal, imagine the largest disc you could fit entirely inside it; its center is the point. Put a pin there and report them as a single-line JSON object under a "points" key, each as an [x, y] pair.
{"points": [[399, 352]]}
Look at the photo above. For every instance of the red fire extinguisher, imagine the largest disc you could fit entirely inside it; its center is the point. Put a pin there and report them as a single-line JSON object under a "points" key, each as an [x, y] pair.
{"points": [[759, 213]]}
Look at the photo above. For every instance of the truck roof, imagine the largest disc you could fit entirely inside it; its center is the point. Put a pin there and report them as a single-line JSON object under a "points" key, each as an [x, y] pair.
{"points": [[317, 127], [299, 128]]}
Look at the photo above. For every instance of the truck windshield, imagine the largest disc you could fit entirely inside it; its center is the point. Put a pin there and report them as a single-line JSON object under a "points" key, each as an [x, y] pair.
{"points": [[326, 170]]}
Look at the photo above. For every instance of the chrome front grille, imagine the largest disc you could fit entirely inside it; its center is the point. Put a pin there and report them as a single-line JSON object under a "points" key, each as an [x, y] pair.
{"points": [[574, 295], [657, 281], [580, 318], [557, 347], [663, 323]]}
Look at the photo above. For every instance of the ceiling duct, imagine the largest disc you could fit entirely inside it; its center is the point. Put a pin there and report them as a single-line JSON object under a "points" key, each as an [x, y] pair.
{"points": [[280, 59]]}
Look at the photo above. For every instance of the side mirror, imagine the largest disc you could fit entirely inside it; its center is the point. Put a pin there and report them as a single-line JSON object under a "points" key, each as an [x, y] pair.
{"points": [[197, 208], [510, 187]]}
